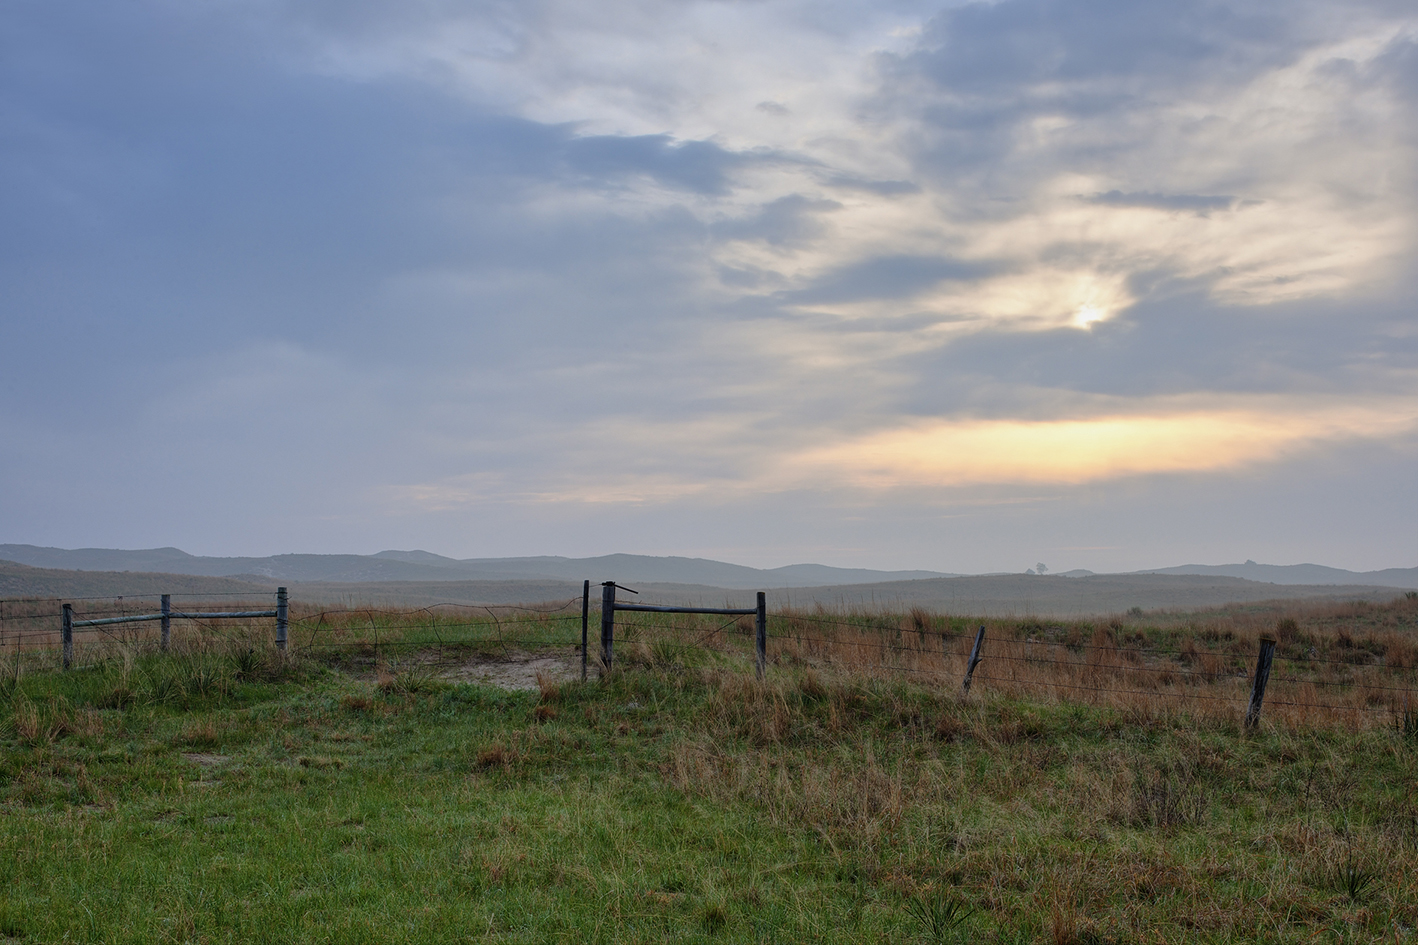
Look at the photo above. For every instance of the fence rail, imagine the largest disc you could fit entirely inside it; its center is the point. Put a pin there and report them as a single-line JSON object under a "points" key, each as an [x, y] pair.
{"points": [[30, 624], [609, 606]]}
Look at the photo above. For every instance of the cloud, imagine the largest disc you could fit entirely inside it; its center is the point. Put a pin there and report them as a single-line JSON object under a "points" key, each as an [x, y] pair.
{"points": [[885, 277], [882, 188], [699, 166], [1012, 108], [784, 262], [1196, 203], [791, 220]]}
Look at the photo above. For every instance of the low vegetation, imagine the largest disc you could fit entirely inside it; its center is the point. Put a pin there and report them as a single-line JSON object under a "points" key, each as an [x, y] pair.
{"points": [[1096, 785]]}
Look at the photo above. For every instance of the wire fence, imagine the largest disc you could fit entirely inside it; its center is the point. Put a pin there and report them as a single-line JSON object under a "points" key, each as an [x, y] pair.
{"points": [[85, 631], [434, 637], [1367, 679], [1361, 687]]}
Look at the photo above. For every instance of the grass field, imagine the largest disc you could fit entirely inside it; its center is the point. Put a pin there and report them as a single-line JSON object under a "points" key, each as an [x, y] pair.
{"points": [[1095, 786]]}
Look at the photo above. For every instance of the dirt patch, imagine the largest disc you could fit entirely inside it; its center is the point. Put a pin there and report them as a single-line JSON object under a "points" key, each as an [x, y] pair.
{"points": [[513, 671]]}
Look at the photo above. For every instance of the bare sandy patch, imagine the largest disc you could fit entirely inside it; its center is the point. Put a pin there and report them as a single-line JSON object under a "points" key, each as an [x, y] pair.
{"points": [[514, 671]]}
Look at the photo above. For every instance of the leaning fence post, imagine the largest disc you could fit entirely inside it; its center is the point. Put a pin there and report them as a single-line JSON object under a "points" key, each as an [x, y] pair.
{"points": [[68, 635], [974, 659], [585, 615], [166, 620], [607, 623], [760, 627], [282, 618], [1262, 676]]}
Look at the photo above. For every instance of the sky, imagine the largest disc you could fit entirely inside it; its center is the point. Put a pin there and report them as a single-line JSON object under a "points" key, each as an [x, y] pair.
{"points": [[956, 286]]}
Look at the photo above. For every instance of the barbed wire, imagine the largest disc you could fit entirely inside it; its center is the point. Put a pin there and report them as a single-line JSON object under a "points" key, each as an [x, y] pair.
{"points": [[1187, 694], [445, 648], [1122, 648], [1174, 694], [396, 614], [448, 645]]}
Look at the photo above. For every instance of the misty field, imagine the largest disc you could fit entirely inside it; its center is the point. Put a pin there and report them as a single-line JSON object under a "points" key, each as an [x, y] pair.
{"points": [[1095, 785]]}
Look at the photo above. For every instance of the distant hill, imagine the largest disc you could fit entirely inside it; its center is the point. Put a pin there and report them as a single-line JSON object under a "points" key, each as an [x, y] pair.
{"points": [[1038, 595], [425, 566], [985, 595], [1298, 574], [18, 580], [502, 579]]}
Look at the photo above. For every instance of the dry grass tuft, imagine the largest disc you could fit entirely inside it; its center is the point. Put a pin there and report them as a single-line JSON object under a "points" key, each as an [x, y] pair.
{"points": [[749, 709], [549, 688], [496, 755], [200, 734], [39, 725]]}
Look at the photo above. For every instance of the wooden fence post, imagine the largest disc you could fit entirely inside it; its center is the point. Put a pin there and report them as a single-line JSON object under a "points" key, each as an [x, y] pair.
{"points": [[974, 660], [166, 620], [761, 634], [1262, 676], [607, 624], [585, 616], [68, 635], [282, 618]]}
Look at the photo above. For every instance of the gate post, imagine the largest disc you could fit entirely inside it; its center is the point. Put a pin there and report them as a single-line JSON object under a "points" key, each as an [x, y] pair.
{"points": [[607, 623], [761, 634], [166, 620], [68, 635], [282, 618], [585, 615], [1267, 652], [974, 660]]}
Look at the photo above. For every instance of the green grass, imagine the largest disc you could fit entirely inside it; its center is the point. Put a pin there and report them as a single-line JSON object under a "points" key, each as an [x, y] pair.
{"points": [[235, 796]]}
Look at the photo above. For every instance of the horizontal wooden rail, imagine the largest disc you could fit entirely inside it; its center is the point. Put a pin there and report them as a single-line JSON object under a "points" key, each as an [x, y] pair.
{"points": [[609, 607], [281, 613], [656, 609], [138, 618]]}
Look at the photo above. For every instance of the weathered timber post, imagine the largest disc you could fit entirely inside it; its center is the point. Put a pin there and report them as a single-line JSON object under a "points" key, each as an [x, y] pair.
{"points": [[760, 622], [68, 635], [607, 624], [974, 659], [282, 618], [1262, 676], [585, 616], [166, 620]]}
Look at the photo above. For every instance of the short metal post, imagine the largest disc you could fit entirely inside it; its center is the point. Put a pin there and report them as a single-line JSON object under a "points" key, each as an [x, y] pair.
{"points": [[761, 628], [1262, 676], [282, 618], [607, 624], [974, 659], [585, 616], [166, 620], [68, 635]]}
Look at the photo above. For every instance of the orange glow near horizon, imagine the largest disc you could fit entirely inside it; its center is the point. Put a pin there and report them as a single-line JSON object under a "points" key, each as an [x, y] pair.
{"points": [[951, 453]]}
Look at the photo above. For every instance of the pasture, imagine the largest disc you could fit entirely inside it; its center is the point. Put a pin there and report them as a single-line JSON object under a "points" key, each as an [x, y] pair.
{"points": [[1095, 785]]}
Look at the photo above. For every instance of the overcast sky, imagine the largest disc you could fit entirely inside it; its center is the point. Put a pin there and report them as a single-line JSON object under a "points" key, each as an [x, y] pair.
{"points": [[1097, 283]]}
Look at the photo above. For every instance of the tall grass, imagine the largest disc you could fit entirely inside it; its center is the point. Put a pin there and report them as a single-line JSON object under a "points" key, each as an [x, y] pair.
{"points": [[1350, 664]]}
